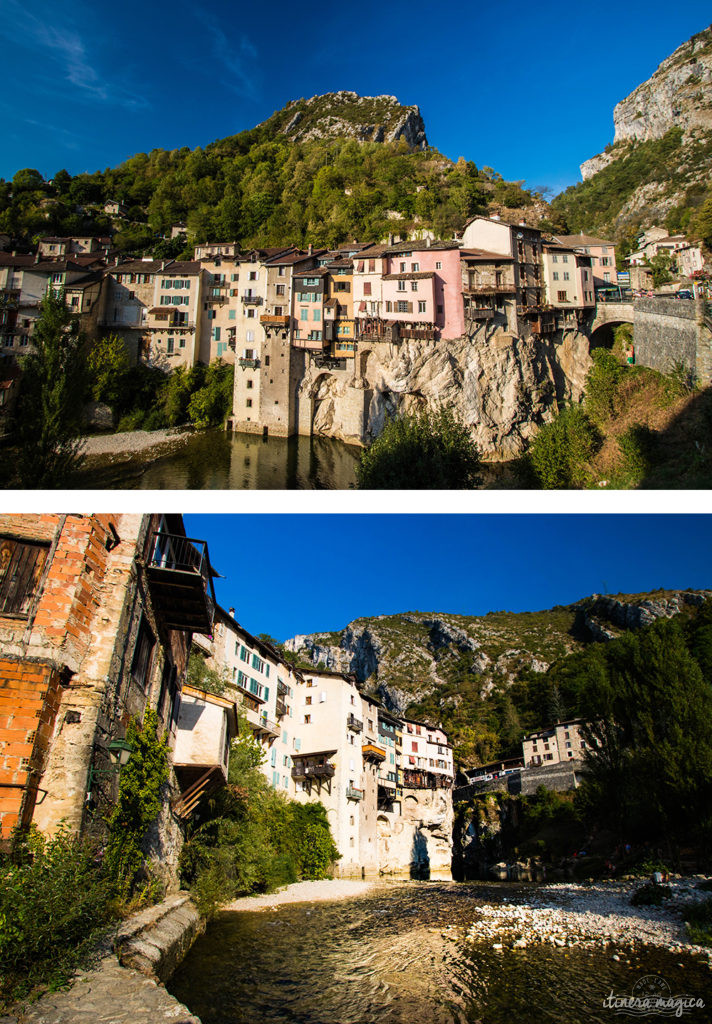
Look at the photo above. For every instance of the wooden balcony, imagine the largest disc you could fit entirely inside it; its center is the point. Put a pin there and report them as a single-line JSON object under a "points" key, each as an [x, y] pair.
{"points": [[196, 782], [373, 753], [281, 708], [180, 580], [267, 727], [272, 320], [354, 794], [251, 364]]}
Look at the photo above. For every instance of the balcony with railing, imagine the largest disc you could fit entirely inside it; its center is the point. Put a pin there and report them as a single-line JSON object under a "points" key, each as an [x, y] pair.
{"points": [[313, 771], [180, 580], [281, 708], [372, 752], [267, 727], [354, 794], [252, 300], [251, 364], [354, 723]]}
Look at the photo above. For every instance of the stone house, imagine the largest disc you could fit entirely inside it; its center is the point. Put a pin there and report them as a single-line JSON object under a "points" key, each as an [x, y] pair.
{"points": [[488, 288], [568, 277], [96, 617], [602, 253], [524, 245], [558, 744]]}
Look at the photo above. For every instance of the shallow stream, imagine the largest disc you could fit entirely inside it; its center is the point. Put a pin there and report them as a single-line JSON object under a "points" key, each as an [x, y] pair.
{"points": [[396, 956]]}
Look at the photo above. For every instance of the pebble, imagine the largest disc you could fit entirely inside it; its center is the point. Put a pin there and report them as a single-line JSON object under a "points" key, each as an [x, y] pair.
{"points": [[596, 915]]}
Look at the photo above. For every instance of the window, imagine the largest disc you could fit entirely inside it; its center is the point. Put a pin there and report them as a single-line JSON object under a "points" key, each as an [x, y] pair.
{"points": [[421, 306], [303, 314], [554, 258], [170, 344], [308, 700], [307, 719], [248, 385], [254, 275], [231, 314], [414, 286], [562, 297], [367, 288], [555, 275], [566, 275], [244, 654], [250, 313], [21, 566], [404, 307], [280, 289], [401, 286], [248, 403], [438, 265], [317, 315], [143, 654], [564, 259]]}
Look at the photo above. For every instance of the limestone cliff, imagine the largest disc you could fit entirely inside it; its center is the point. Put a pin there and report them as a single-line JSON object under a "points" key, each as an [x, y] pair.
{"points": [[454, 661], [503, 387], [678, 94], [347, 115]]}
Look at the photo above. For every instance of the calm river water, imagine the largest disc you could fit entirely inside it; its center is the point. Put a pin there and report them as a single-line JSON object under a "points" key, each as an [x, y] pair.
{"points": [[222, 461], [384, 959]]}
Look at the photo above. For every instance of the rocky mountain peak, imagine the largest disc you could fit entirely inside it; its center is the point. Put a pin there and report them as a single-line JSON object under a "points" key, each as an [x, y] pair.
{"points": [[677, 95], [345, 114]]}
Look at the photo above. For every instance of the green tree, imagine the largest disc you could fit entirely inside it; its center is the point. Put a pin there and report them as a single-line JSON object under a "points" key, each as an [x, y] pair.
{"points": [[203, 676], [602, 381], [561, 451], [108, 370], [662, 266], [701, 224], [421, 450], [49, 407]]}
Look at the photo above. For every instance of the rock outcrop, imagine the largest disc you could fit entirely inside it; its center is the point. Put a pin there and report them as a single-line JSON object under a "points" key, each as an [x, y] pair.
{"points": [[504, 388], [406, 658], [677, 95], [347, 115]]}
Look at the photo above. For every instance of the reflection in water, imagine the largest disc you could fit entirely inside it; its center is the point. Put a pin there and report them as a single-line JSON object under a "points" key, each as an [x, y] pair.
{"points": [[218, 460], [389, 958]]}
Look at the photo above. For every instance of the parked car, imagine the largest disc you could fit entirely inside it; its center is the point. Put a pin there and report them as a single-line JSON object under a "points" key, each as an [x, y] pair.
{"points": [[684, 293]]}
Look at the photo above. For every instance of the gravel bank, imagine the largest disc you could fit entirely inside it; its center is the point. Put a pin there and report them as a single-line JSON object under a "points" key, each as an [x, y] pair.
{"points": [[598, 915], [304, 892], [131, 442]]}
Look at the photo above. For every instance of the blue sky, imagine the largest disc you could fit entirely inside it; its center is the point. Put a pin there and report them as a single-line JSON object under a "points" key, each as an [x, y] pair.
{"points": [[525, 88], [288, 574]]}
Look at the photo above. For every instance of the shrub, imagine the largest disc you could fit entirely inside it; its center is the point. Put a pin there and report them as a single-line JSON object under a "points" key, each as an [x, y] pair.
{"points": [[561, 450], [650, 895], [602, 383], [422, 450], [638, 446], [131, 421], [699, 922], [53, 899]]}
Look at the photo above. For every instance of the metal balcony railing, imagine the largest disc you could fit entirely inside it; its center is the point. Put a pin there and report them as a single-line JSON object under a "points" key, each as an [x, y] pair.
{"points": [[353, 723], [181, 582], [252, 300]]}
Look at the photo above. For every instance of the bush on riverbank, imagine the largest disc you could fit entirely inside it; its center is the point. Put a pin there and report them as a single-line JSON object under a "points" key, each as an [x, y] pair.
{"points": [[422, 451], [252, 838], [698, 918], [53, 903]]}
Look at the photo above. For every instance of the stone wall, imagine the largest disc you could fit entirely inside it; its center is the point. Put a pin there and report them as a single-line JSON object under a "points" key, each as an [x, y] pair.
{"points": [[665, 333], [558, 777]]}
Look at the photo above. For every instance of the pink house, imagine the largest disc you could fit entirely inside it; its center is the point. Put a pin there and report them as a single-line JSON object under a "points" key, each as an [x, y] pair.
{"points": [[423, 284], [602, 253]]}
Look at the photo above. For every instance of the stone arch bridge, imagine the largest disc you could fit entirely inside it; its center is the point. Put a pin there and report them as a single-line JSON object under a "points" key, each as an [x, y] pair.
{"points": [[667, 332]]}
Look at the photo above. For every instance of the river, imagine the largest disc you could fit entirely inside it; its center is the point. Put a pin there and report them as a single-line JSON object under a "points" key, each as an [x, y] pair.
{"points": [[397, 956], [216, 460]]}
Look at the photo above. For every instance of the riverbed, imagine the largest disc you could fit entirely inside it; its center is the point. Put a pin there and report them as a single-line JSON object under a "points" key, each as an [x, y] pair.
{"points": [[406, 952]]}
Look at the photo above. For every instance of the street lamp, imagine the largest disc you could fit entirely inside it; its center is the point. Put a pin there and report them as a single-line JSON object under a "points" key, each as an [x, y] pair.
{"points": [[119, 753]]}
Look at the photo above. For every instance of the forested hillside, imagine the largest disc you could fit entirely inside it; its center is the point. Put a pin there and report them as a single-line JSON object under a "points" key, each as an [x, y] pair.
{"points": [[260, 187]]}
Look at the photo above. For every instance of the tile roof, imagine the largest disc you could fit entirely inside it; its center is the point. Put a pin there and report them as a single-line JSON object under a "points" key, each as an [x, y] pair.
{"points": [[582, 239], [420, 246], [7, 259], [137, 267], [183, 267], [484, 254], [415, 276]]}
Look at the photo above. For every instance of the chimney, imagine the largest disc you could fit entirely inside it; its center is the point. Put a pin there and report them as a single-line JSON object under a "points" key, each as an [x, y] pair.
{"points": [[390, 238], [496, 216], [310, 249], [231, 612], [428, 241], [522, 223]]}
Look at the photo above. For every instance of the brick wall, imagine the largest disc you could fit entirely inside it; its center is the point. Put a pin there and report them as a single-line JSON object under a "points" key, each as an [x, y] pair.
{"points": [[30, 693]]}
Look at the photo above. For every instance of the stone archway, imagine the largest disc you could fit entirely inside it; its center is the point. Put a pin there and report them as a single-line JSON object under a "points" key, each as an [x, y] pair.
{"points": [[604, 335]]}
